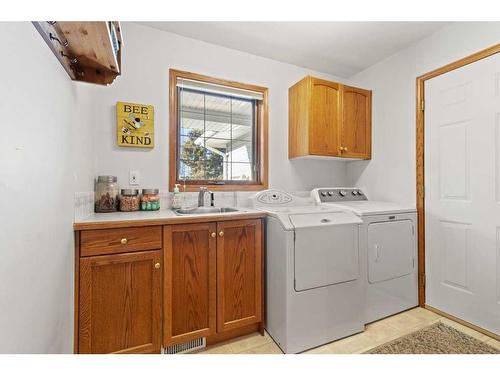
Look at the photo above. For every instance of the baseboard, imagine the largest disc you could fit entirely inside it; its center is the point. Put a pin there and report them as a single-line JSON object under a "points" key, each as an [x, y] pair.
{"points": [[463, 322]]}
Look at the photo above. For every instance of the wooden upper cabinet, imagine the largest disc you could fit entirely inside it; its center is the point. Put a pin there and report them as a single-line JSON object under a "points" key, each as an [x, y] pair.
{"points": [[356, 122], [190, 282], [120, 303], [239, 273], [329, 119]]}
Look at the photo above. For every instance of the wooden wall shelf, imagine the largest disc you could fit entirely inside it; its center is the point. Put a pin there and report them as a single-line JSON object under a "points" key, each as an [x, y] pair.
{"points": [[85, 49]]}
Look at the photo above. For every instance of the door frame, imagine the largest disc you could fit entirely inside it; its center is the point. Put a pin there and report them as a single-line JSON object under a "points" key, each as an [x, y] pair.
{"points": [[420, 149]]}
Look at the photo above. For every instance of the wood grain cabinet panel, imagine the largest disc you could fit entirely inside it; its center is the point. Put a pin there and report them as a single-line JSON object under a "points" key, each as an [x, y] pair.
{"points": [[325, 114], [190, 282], [120, 240], [120, 303], [239, 273], [328, 119], [356, 122]]}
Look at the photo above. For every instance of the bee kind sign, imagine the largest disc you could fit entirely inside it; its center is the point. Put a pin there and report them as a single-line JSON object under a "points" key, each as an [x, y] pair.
{"points": [[135, 125]]}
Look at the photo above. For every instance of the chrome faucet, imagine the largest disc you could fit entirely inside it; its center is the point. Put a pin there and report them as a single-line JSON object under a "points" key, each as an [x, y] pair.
{"points": [[201, 197]]}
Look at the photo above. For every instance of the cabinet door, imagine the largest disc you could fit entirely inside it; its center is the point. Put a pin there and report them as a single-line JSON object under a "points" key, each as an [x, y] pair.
{"points": [[239, 273], [356, 123], [190, 282], [120, 303], [325, 118]]}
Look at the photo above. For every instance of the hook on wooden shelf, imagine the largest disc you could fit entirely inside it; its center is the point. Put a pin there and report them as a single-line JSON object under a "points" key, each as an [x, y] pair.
{"points": [[71, 60], [52, 37]]}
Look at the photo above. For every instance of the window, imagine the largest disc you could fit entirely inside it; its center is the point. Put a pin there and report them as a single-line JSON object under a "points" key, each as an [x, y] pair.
{"points": [[218, 133]]}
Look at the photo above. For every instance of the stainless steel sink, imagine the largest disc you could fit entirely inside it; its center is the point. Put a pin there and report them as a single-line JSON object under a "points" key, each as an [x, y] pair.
{"points": [[205, 210]]}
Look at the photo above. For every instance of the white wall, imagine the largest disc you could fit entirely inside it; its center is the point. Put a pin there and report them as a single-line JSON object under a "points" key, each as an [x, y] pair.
{"points": [[391, 173], [45, 155], [148, 56]]}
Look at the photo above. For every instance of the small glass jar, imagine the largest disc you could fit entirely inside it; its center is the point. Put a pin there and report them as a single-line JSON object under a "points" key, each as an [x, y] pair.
{"points": [[129, 200], [106, 194], [150, 200]]}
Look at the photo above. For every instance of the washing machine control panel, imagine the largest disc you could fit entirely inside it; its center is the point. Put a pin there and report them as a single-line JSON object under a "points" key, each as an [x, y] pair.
{"points": [[341, 195]]}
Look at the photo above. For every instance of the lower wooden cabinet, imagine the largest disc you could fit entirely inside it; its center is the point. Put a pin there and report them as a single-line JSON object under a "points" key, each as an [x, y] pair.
{"points": [[213, 278], [120, 303], [190, 282], [239, 274]]}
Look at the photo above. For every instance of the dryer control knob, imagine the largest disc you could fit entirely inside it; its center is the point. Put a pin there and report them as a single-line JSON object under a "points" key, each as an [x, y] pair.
{"points": [[330, 193], [342, 193], [354, 192], [323, 193]]}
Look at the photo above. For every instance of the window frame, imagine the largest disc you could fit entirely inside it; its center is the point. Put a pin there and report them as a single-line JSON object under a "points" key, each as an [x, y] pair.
{"points": [[261, 137]]}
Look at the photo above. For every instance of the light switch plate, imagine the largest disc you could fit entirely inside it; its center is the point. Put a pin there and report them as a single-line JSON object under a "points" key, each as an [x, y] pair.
{"points": [[134, 178]]}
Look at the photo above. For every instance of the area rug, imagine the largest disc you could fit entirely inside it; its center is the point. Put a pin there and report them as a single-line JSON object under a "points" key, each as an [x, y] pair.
{"points": [[435, 339]]}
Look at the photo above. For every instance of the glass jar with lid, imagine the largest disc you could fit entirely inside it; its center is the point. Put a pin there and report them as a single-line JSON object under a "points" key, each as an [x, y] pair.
{"points": [[106, 194], [129, 200], [150, 200]]}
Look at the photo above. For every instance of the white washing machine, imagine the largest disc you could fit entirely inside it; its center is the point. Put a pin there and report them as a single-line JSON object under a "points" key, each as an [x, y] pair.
{"points": [[388, 249], [314, 289]]}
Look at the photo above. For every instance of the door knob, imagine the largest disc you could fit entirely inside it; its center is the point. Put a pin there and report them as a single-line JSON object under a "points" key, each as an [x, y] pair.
{"points": [[221, 233], [123, 241], [213, 234], [345, 148], [157, 265]]}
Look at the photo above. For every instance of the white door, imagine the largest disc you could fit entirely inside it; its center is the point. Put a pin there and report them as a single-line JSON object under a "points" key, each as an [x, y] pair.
{"points": [[462, 193]]}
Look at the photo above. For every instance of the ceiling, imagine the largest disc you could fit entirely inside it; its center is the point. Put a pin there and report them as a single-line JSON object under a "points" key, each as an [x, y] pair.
{"points": [[338, 48]]}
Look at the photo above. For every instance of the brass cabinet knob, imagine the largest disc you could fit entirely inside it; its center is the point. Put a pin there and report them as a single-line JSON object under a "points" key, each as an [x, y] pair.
{"points": [[221, 233], [124, 241], [345, 148], [213, 234], [157, 265]]}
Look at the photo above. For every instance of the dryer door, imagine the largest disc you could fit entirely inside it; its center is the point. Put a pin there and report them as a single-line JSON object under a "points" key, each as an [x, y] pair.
{"points": [[326, 252], [390, 250]]}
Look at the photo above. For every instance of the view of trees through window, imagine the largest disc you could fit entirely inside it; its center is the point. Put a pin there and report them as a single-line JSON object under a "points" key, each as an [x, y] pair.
{"points": [[216, 137], [192, 154]]}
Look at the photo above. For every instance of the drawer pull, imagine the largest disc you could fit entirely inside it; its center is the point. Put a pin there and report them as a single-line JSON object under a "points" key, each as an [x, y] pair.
{"points": [[124, 241], [221, 233], [213, 234], [157, 265]]}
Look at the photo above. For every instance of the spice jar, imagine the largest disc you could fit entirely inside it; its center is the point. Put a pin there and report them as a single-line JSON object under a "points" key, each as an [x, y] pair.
{"points": [[150, 200], [129, 200], [106, 194]]}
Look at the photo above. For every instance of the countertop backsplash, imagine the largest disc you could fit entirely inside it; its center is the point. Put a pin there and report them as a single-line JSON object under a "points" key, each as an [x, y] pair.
{"points": [[84, 201], [84, 204]]}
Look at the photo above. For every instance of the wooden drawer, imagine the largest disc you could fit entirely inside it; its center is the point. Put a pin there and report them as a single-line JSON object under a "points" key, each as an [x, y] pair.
{"points": [[121, 240]]}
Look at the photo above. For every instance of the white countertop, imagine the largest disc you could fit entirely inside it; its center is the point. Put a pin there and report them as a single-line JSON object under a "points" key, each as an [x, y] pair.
{"points": [[159, 216], [125, 216]]}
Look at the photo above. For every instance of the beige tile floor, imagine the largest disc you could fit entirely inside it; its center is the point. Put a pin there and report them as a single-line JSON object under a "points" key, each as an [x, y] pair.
{"points": [[375, 334]]}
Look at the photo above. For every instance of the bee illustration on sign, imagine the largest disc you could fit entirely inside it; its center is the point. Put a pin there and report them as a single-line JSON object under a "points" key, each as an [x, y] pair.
{"points": [[135, 125]]}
